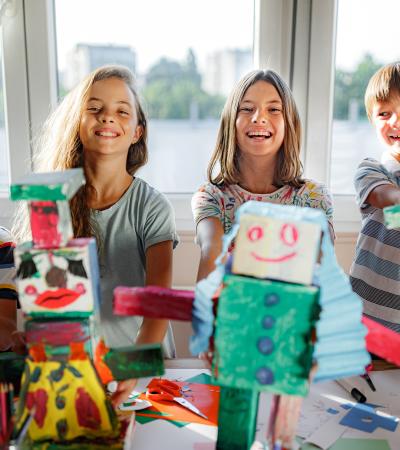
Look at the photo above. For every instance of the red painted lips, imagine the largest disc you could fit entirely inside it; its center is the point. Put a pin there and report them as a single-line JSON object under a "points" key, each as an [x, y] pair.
{"points": [[56, 299]]}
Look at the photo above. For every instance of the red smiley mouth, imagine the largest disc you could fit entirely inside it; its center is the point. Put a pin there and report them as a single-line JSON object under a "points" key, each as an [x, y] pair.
{"points": [[274, 260], [56, 299]]}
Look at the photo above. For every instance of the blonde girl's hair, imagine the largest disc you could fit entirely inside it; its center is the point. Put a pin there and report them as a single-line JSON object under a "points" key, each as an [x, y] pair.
{"points": [[383, 84], [225, 159], [59, 147]]}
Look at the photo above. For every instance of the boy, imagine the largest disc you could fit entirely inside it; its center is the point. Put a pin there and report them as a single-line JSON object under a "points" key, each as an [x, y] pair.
{"points": [[10, 338], [375, 273]]}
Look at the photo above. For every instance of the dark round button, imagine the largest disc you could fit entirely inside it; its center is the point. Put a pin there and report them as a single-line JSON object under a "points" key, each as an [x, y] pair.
{"points": [[271, 299], [265, 375], [268, 322], [265, 345]]}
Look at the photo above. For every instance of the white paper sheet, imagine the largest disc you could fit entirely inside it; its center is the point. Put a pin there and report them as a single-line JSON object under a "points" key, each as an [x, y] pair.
{"points": [[320, 427]]}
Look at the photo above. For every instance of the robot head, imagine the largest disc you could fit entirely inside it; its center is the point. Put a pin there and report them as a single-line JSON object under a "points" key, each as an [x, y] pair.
{"points": [[270, 247]]}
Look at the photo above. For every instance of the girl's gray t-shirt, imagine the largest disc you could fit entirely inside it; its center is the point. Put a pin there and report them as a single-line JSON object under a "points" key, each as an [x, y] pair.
{"points": [[141, 218]]}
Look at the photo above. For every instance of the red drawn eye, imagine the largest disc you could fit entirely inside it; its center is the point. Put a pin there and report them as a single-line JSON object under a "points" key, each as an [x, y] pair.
{"points": [[30, 290], [289, 234], [255, 233]]}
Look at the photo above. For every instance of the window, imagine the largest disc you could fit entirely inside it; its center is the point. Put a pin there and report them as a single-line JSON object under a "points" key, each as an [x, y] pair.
{"points": [[185, 64], [4, 166], [367, 38]]}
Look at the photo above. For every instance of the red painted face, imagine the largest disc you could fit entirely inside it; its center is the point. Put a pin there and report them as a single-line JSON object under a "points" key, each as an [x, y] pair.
{"points": [[288, 235]]}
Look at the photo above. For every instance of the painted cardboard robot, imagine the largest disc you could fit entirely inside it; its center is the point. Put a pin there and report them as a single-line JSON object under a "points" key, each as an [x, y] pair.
{"points": [[58, 285], [269, 314]]}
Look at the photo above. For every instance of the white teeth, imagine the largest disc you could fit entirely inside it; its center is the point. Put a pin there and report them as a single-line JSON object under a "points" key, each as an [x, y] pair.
{"points": [[259, 133], [106, 134]]}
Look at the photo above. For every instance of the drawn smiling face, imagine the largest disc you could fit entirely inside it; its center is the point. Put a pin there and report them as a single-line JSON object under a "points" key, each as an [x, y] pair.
{"points": [[271, 248], [55, 281], [288, 236]]}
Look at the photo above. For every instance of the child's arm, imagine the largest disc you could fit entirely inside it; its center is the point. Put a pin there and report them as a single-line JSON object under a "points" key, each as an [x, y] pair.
{"points": [[8, 322], [158, 273], [384, 195], [209, 236], [10, 337]]}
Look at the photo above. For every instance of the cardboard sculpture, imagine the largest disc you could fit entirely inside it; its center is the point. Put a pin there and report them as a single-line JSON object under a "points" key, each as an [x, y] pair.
{"points": [[67, 363], [273, 296]]}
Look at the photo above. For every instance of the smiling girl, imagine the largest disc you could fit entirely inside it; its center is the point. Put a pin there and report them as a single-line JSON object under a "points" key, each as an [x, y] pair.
{"points": [[101, 126], [256, 157]]}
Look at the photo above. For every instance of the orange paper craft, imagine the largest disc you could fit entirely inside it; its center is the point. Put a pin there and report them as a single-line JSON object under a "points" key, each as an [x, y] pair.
{"points": [[204, 396]]}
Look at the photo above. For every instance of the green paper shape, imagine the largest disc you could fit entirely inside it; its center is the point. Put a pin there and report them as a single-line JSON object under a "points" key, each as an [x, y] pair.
{"points": [[263, 335], [201, 378], [140, 361], [391, 215], [237, 416], [351, 444], [146, 419], [360, 444], [48, 186]]}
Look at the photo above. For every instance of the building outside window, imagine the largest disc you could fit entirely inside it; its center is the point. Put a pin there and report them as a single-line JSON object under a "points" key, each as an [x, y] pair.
{"points": [[367, 38], [185, 65]]}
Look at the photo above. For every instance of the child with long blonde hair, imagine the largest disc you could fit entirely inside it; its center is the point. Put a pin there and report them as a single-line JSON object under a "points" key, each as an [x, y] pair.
{"points": [[100, 126], [256, 157]]}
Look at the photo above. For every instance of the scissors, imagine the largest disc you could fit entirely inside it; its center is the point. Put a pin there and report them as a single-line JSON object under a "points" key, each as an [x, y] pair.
{"points": [[165, 390]]}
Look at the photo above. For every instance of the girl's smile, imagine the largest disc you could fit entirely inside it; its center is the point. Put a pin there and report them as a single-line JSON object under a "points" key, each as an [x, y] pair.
{"points": [[106, 133], [260, 125], [109, 122]]}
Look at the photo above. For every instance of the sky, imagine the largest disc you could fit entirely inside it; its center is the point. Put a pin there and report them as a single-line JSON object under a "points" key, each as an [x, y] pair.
{"points": [[367, 26], [169, 27], [155, 27]]}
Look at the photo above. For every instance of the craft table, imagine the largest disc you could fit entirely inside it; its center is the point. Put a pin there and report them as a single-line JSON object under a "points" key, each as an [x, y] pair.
{"points": [[163, 435]]}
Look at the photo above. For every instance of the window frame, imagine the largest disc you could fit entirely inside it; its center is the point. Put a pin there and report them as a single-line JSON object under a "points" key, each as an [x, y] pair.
{"points": [[28, 45], [295, 38], [16, 103]]}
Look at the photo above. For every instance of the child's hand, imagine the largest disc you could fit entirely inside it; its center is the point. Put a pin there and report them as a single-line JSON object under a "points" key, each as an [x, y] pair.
{"points": [[124, 388], [207, 357]]}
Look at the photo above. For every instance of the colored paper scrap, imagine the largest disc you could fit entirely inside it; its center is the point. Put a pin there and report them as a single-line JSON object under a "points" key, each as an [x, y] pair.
{"points": [[365, 418], [132, 362], [201, 378], [391, 215], [328, 433], [361, 444], [204, 396]]}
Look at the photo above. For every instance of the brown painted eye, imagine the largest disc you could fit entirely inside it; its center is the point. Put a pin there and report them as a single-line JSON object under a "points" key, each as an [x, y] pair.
{"points": [[289, 234], [255, 233]]}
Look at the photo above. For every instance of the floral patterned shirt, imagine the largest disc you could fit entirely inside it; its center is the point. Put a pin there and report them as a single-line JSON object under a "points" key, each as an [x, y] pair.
{"points": [[222, 201]]}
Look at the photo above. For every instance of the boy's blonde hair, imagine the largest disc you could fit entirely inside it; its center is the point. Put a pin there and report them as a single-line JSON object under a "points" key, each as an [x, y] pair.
{"points": [[227, 154], [382, 85], [59, 148]]}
